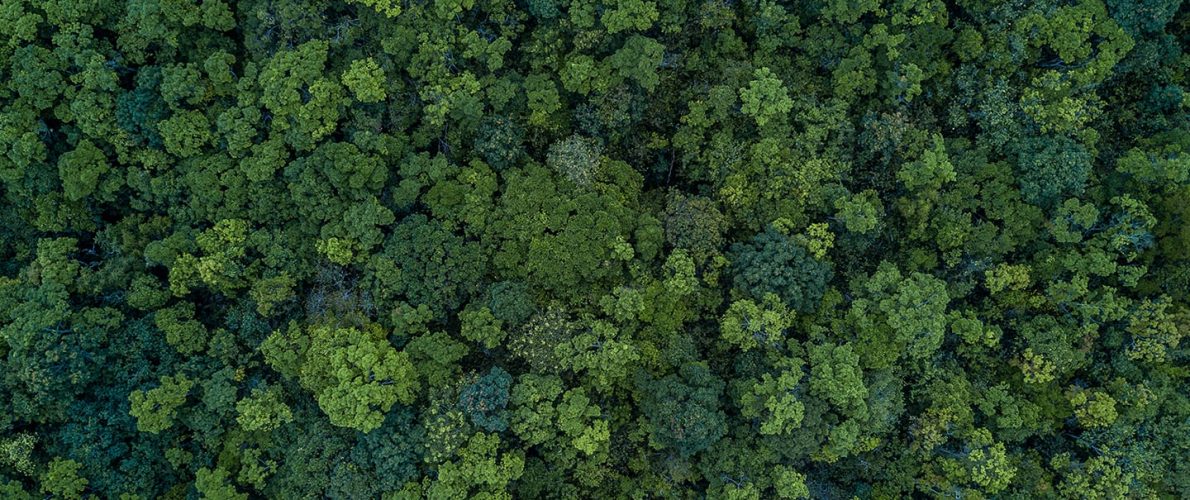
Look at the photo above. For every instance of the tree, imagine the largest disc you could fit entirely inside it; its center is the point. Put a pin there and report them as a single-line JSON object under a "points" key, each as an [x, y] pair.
{"points": [[1153, 332], [437, 267], [773, 263], [156, 408], [14, 490], [479, 325], [694, 224], [683, 410], [790, 483], [81, 169], [356, 375], [749, 325], [185, 134], [484, 400], [771, 400], [630, 15], [212, 484], [765, 97], [1052, 169], [499, 141], [16, 452], [481, 470], [365, 79], [181, 330], [510, 302], [579, 420], [988, 465], [61, 479], [387, 7], [221, 266], [1097, 477], [576, 158], [582, 239], [835, 376], [680, 279], [900, 315], [269, 292], [600, 350], [263, 410], [930, 172], [534, 407], [859, 213], [306, 103], [1093, 408], [638, 60], [544, 100]]}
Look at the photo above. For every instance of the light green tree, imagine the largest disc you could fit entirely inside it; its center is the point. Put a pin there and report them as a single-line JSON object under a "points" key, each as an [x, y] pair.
{"points": [[156, 408], [765, 98]]}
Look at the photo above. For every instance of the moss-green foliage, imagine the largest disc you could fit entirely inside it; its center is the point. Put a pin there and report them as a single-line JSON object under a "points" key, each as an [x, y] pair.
{"points": [[594, 249], [355, 375]]}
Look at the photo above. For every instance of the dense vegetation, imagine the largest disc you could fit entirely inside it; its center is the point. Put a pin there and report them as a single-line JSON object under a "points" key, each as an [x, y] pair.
{"points": [[594, 248]]}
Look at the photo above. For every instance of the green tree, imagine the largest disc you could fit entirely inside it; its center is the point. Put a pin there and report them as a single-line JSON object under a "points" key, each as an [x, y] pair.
{"points": [[579, 420], [16, 452], [575, 158], [630, 15], [749, 325], [365, 79], [602, 351], [212, 484], [835, 376], [185, 134], [534, 412], [930, 172], [638, 60], [263, 410], [482, 470], [1052, 169], [485, 399], [1093, 408], [694, 224], [437, 267], [305, 103], [387, 7], [156, 408], [61, 479], [81, 169], [683, 410], [356, 375], [773, 263], [480, 326], [772, 400], [765, 97], [790, 483], [900, 315]]}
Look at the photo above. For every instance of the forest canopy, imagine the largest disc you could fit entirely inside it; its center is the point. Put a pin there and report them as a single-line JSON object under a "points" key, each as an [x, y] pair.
{"points": [[726, 249]]}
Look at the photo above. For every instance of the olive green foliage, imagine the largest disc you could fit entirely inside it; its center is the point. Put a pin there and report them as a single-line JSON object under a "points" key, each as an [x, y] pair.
{"points": [[355, 375], [677, 249]]}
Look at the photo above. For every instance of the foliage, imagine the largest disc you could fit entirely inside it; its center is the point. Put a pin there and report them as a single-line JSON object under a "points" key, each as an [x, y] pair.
{"points": [[155, 409], [683, 410], [61, 479], [773, 263], [609, 249], [356, 375], [484, 400]]}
